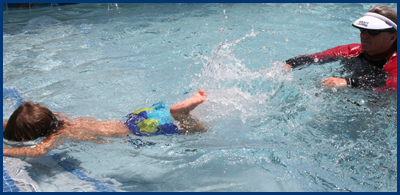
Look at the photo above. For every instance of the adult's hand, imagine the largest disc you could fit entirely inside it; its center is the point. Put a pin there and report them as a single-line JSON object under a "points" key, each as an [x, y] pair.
{"points": [[287, 67], [335, 82]]}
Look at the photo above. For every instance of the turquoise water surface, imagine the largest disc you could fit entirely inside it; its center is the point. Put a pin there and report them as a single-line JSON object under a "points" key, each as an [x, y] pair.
{"points": [[271, 130]]}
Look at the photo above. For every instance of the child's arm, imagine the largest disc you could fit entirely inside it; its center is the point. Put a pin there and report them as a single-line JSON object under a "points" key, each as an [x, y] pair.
{"points": [[4, 125], [41, 148], [24, 152]]}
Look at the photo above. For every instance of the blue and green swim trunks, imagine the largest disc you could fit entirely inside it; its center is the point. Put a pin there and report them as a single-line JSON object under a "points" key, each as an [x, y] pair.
{"points": [[154, 120]]}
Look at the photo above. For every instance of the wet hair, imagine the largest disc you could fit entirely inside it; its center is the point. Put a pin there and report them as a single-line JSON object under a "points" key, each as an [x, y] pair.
{"points": [[31, 121], [389, 13]]}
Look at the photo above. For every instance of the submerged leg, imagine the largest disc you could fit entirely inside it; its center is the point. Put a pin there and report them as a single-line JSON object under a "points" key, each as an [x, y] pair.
{"points": [[181, 111]]}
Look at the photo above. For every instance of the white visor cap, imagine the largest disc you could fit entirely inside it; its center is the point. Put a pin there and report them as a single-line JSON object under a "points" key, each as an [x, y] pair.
{"points": [[374, 21]]}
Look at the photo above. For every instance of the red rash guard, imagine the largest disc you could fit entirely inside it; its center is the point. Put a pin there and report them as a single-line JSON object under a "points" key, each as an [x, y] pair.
{"points": [[381, 72]]}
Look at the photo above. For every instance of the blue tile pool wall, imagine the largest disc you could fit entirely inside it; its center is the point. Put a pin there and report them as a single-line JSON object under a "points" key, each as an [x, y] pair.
{"points": [[13, 94], [8, 183], [70, 167]]}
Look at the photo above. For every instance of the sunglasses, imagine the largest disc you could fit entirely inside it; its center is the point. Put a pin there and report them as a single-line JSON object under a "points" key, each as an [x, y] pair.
{"points": [[375, 32]]}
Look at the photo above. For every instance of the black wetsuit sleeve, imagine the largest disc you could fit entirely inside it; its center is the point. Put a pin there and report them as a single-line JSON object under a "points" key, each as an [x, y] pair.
{"points": [[367, 82], [298, 61], [302, 60]]}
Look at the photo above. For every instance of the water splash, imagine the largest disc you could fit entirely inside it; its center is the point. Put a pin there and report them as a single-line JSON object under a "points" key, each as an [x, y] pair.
{"points": [[233, 89]]}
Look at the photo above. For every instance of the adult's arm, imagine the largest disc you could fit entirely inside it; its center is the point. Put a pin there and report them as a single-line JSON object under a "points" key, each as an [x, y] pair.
{"points": [[368, 82], [329, 55]]}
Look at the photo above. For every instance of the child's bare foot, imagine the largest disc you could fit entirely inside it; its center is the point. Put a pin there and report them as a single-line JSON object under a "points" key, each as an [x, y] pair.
{"points": [[184, 107]]}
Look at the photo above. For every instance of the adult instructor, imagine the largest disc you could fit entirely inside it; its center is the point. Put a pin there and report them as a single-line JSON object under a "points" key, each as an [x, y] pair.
{"points": [[373, 63]]}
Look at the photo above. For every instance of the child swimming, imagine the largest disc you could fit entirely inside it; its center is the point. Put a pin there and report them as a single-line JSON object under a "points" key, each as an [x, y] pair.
{"points": [[31, 121]]}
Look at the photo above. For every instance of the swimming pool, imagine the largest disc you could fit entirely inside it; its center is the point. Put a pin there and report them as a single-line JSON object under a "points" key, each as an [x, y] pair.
{"points": [[271, 130]]}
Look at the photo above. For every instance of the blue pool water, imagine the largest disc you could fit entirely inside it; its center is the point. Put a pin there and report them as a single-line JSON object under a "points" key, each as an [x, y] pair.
{"points": [[271, 130]]}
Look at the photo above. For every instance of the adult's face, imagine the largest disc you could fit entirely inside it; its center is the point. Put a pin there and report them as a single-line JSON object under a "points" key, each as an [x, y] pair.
{"points": [[377, 44]]}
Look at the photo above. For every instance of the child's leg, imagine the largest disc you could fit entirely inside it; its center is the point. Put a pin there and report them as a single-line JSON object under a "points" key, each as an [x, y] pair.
{"points": [[183, 108], [181, 111]]}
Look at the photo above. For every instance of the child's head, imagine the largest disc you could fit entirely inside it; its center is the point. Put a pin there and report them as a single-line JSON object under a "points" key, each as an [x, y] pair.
{"points": [[30, 121]]}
